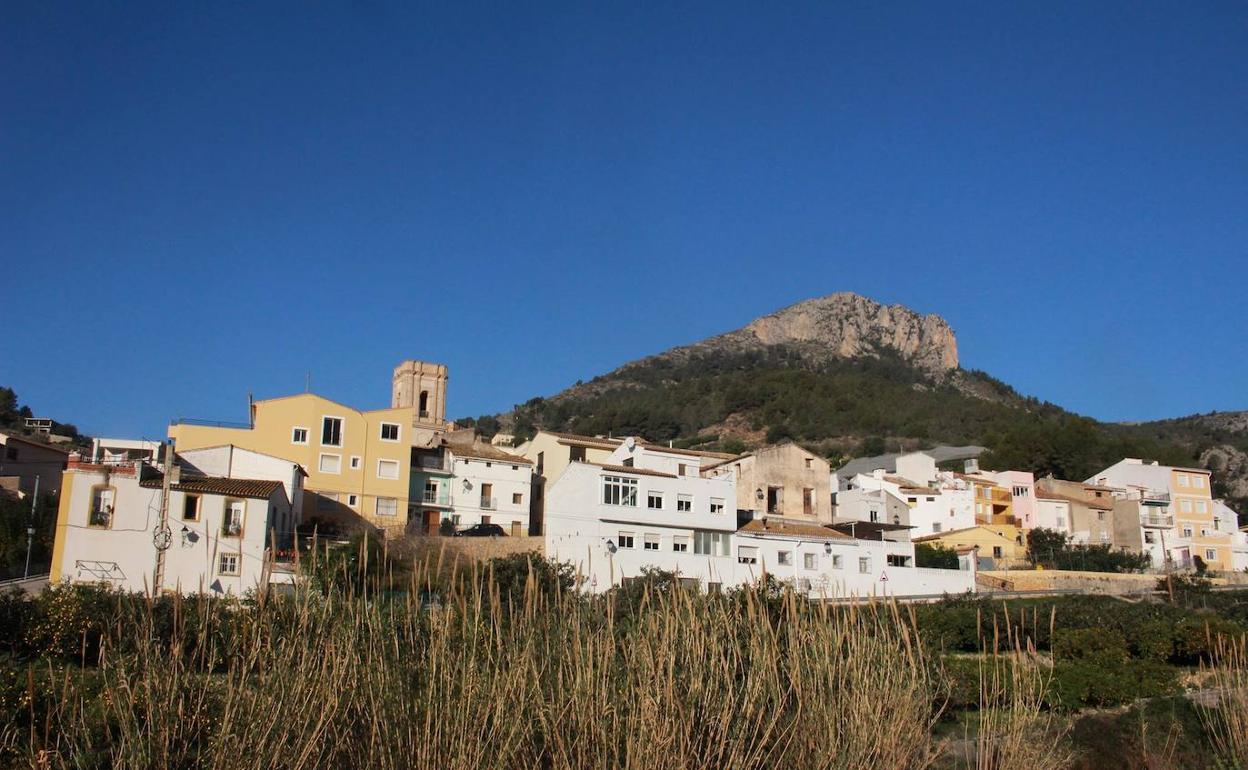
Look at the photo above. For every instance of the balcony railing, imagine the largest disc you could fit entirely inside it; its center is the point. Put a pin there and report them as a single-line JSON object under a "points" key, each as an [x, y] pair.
{"points": [[436, 498], [430, 464], [1155, 498], [489, 503], [1163, 520]]}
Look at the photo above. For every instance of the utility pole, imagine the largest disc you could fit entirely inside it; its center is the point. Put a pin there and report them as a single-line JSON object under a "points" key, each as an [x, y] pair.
{"points": [[30, 527], [161, 536]]}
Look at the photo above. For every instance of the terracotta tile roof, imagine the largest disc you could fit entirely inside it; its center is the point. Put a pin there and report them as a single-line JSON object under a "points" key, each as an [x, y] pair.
{"points": [[213, 485], [637, 471], [793, 528], [30, 442], [1099, 503], [942, 535], [690, 452], [482, 451], [590, 441]]}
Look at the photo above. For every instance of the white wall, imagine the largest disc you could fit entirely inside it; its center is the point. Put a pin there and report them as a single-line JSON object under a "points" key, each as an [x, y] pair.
{"points": [[1053, 514], [507, 479]]}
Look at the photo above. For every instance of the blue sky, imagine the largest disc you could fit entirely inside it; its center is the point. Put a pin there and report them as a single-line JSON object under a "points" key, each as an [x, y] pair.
{"points": [[201, 200]]}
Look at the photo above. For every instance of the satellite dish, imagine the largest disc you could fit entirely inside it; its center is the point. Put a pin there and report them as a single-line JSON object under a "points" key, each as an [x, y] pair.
{"points": [[630, 443], [610, 546], [467, 485]]}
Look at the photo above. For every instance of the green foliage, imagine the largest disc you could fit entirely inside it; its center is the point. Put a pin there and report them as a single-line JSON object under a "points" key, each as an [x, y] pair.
{"points": [[15, 517], [509, 575], [1048, 548], [1092, 645], [935, 556], [1082, 683]]}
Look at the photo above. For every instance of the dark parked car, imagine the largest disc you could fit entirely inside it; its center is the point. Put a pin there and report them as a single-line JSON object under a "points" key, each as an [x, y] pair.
{"points": [[483, 530]]}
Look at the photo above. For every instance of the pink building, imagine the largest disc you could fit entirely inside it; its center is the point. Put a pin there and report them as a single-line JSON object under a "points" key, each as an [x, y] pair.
{"points": [[1022, 486]]}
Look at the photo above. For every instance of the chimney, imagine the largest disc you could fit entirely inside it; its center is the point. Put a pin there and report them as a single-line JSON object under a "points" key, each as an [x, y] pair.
{"points": [[971, 465], [175, 474]]}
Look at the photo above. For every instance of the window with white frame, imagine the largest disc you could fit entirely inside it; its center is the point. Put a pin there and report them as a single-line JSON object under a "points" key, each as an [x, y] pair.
{"points": [[1184, 481], [353, 500], [330, 463], [101, 514], [228, 563], [747, 554], [936, 526], [810, 561], [710, 543], [650, 542], [864, 564], [618, 490], [684, 503], [680, 543], [836, 561], [298, 435], [1198, 482], [1211, 554], [232, 524], [654, 501], [785, 558], [1187, 532], [331, 431], [1202, 506], [355, 462], [387, 469], [389, 431], [387, 506], [626, 540], [717, 505], [1185, 506]]}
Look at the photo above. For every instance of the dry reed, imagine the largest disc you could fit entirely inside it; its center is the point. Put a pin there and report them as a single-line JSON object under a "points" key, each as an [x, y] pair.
{"points": [[1226, 717]]}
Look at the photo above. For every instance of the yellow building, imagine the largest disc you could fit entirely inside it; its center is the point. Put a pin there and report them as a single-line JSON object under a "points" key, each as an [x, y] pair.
{"points": [[1004, 544], [358, 462], [994, 504]]}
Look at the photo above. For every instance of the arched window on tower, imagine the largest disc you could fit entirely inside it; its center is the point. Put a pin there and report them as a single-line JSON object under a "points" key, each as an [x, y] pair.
{"points": [[424, 403]]}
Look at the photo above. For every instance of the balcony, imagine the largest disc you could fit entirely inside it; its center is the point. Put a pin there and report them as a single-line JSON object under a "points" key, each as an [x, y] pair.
{"points": [[1160, 520], [1155, 498], [489, 503], [439, 497], [428, 463]]}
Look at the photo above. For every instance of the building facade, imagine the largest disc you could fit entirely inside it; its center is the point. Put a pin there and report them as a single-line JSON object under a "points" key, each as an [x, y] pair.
{"points": [[781, 480], [22, 461]]}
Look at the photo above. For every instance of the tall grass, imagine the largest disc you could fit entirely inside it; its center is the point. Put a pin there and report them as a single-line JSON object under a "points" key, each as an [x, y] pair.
{"points": [[664, 679], [1226, 718]]}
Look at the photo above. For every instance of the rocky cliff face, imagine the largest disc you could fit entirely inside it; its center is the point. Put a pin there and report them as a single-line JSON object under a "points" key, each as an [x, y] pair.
{"points": [[838, 326]]}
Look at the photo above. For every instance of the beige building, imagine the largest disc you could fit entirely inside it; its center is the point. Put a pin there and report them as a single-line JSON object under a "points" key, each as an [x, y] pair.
{"points": [[1091, 510], [421, 387], [23, 460], [781, 480], [358, 462]]}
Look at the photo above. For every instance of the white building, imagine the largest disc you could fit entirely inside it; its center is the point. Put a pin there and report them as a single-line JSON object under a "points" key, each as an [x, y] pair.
{"points": [[1227, 521], [933, 505], [222, 536], [644, 506], [487, 486], [1052, 513]]}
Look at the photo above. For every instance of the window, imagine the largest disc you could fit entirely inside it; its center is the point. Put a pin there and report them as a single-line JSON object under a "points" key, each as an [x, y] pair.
{"points": [[684, 503], [651, 543], [1100, 515], [387, 506], [1148, 536], [517, 498], [808, 501], [353, 500], [1184, 481], [423, 406], [717, 505], [1201, 506], [617, 490], [298, 435], [355, 462], [747, 554], [785, 558], [326, 501], [710, 543], [1187, 532], [936, 525], [810, 463], [997, 553], [101, 506], [431, 491], [628, 462], [873, 516], [912, 501], [897, 560], [1061, 522], [331, 431], [680, 469], [864, 564], [190, 508], [227, 564], [654, 501], [810, 561], [389, 431], [330, 463], [1198, 482], [487, 497], [387, 469], [836, 561], [1185, 506], [232, 524], [576, 454], [680, 543], [1210, 554], [626, 540]]}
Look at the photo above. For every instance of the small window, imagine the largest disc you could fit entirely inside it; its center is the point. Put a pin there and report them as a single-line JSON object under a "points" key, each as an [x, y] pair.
{"points": [[680, 543], [353, 500], [651, 543], [997, 552], [717, 505], [626, 540], [810, 463], [785, 558], [227, 564], [1183, 480], [1198, 482], [1201, 505], [1148, 536], [684, 503], [355, 462], [936, 526], [864, 564], [102, 499], [298, 435], [387, 469], [680, 469], [810, 561], [1187, 532], [190, 508], [232, 524], [517, 498], [387, 506], [654, 501], [1210, 554], [330, 463], [747, 554], [389, 431], [1185, 506], [331, 431], [836, 561]]}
